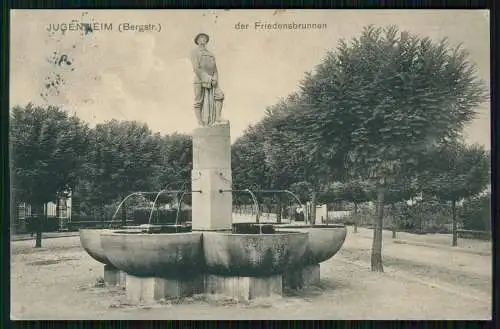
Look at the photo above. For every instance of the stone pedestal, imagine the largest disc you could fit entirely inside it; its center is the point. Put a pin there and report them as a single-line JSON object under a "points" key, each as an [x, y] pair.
{"points": [[149, 290], [211, 209], [113, 276], [301, 278], [244, 288]]}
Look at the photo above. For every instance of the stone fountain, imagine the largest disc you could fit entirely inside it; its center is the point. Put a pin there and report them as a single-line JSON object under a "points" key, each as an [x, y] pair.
{"points": [[211, 257]]}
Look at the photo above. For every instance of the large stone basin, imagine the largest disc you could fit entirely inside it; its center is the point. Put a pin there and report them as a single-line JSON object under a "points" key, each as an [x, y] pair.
{"points": [[167, 255], [323, 243], [252, 255], [91, 242]]}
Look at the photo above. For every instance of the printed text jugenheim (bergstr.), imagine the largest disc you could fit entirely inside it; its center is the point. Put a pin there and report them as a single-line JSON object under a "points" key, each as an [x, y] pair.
{"points": [[103, 27]]}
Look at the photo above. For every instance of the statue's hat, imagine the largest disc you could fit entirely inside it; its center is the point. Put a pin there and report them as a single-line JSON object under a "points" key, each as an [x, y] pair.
{"points": [[199, 35]]}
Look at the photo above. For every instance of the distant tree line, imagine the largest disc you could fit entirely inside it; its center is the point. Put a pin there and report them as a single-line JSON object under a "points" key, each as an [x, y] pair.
{"points": [[51, 150]]}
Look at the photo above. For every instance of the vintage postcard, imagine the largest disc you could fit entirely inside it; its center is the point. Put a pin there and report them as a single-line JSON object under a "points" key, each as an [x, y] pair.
{"points": [[250, 164]]}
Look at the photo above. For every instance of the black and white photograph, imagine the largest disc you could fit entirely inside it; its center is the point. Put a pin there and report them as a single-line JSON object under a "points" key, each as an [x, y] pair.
{"points": [[250, 164]]}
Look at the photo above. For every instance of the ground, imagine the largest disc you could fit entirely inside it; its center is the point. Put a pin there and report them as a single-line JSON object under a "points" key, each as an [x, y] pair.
{"points": [[60, 281]]}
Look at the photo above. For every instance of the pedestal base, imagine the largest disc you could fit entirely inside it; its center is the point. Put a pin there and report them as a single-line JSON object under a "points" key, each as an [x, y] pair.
{"points": [[211, 174], [244, 288], [148, 290], [113, 276], [301, 278]]}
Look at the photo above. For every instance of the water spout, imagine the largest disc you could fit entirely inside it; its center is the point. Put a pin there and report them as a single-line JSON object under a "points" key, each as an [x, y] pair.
{"points": [[169, 192], [179, 204], [284, 191], [123, 201], [154, 204], [254, 200], [256, 204]]}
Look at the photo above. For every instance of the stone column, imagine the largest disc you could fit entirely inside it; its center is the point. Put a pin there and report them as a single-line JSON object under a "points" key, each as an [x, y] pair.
{"points": [[150, 290], [302, 277], [114, 276], [212, 210], [244, 288]]}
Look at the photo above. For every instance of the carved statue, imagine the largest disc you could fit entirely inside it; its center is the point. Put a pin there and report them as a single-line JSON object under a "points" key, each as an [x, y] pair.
{"points": [[207, 93]]}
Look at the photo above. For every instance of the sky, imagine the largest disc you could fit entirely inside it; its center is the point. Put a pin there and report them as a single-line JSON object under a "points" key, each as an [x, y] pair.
{"points": [[146, 75]]}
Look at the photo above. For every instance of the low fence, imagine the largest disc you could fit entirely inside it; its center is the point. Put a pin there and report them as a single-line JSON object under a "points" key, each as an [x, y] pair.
{"points": [[471, 234], [334, 215], [364, 220], [51, 224]]}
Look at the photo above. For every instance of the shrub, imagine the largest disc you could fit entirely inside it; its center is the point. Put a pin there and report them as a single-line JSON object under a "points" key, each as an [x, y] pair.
{"points": [[475, 213], [429, 216], [160, 216], [51, 224]]}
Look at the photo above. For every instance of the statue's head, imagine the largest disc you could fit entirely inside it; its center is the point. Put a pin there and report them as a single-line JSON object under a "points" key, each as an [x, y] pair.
{"points": [[201, 38]]}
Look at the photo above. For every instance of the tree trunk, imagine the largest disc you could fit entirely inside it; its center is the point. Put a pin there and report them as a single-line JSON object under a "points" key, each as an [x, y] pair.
{"points": [[313, 208], [39, 224], [269, 209], [376, 259], [14, 214], [393, 209], [420, 212], [454, 222], [279, 210], [327, 211], [355, 217], [58, 207]]}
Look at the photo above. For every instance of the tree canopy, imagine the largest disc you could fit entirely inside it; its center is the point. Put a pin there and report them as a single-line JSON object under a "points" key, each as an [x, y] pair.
{"points": [[375, 106], [47, 152]]}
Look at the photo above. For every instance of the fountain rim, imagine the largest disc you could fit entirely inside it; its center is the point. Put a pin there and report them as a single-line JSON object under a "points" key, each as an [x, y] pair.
{"points": [[254, 223], [278, 233], [94, 229], [305, 226], [137, 233]]}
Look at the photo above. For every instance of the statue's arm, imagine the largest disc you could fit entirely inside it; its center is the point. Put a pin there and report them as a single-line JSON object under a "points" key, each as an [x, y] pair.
{"points": [[195, 61], [216, 73]]}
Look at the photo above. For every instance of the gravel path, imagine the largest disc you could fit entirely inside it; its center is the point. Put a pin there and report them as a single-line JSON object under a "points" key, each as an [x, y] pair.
{"points": [[462, 272], [45, 235], [57, 282], [433, 240]]}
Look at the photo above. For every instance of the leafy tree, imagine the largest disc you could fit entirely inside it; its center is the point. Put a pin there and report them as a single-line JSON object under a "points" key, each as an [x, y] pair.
{"points": [[293, 154], [257, 163], [271, 155], [176, 164], [126, 157], [249, 168], [382, 100], [404, 188], [355, 191], [176, 161], [248, 165], [475, 212], [123, 158], [459, 171], [423, 214], [47, 149], [278, 153], [285, 162]]}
